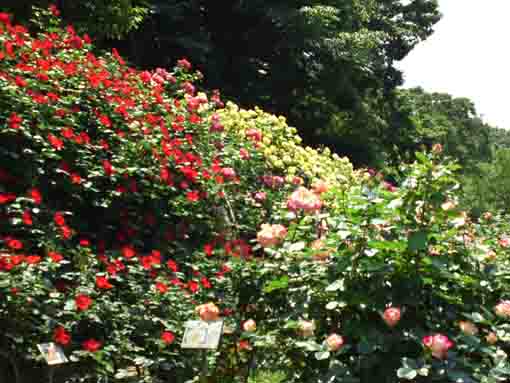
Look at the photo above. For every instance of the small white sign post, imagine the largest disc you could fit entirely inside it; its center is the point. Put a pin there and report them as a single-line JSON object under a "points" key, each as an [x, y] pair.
{"points": [[54, 355], [202, 335]]}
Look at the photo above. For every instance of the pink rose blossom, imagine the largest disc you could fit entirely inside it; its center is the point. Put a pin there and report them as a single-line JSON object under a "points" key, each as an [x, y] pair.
{"points": [[228, 172], [392, 316], [304, 199], [439, 345], [320, 187], [504, 242], [502, 309], [334, 342], [208, 312], [468, 328], [271, 235], [244, 154], [260, 196]]}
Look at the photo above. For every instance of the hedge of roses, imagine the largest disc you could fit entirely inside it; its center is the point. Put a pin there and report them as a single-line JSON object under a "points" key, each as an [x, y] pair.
{"points": [[131, 203]]}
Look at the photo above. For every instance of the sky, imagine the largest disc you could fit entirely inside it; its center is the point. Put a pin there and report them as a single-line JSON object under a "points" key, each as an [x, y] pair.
{"points": [[467, 56]]}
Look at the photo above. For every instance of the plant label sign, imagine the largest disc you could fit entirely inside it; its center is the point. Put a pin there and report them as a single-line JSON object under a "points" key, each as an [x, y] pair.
{"points": [[52, 353], [202, 334]]}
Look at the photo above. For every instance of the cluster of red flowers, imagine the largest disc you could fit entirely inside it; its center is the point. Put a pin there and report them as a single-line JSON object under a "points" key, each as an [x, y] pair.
{"points": [[132, 137]]}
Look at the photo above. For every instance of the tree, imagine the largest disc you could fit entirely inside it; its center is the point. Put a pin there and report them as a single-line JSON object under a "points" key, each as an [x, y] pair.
{"points": [[326, 65], [102, 19], [419, 118]]}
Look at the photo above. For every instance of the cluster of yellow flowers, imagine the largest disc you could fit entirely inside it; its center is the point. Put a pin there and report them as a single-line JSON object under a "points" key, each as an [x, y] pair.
{"points": [[282, 148]]}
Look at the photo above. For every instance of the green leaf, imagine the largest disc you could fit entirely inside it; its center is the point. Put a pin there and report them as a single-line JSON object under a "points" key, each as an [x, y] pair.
{"points": [[417, 241], [337, 285], [406, 373], [277, 284]]}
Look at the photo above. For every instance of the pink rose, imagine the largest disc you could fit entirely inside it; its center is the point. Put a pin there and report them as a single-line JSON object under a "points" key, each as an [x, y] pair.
{"points": [[502, 309], [244, 154], [320, 187], [439, 345], [504, 242], [228, 172], [334, 342], [468, 328], [392, 316], [304, 199], [260, 196], [254, 135], [271, 235], [208, 312]]}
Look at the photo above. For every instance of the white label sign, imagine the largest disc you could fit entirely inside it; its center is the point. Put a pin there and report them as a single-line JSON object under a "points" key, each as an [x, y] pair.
{"points": [[202, 335], [52, 353]]}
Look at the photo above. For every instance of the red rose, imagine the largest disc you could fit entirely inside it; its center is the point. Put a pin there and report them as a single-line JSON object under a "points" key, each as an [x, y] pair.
{"points": [[33, 259], [6, 198], [56, 257], [15, 121], [15, 244], [161, 287], [103, 283], [172, 266], [91, 345], [83, 302], [56, 142], [36, 196], [20, 81], [167, 337], [27, 218], [128, 252], [193, 196], [59, 219], [66, 231], [61, 336]]}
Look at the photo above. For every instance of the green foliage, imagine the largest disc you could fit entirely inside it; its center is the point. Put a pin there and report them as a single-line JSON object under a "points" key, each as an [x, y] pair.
{"points": [[488, 187], [327, 66], [111, 19], [422, 119]]}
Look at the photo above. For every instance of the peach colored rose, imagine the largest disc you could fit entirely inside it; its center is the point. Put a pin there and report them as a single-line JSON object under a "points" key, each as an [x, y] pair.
{"points": [[392, 316], [208, 312], [334, 342], [468, 328], [250, 326], [306, 328], [304, 199], [439, 345], [271, 235]]}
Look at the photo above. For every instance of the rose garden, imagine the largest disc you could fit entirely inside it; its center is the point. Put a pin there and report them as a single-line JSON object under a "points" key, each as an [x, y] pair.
{"points": [[132, 201]]}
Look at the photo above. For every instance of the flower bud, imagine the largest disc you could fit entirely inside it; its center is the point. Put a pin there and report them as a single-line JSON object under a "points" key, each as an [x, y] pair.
{"points": [[491, 338], [468, 328]]}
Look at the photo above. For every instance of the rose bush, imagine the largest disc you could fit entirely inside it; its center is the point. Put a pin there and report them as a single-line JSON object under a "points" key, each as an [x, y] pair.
{"points": [[131, 202]]}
